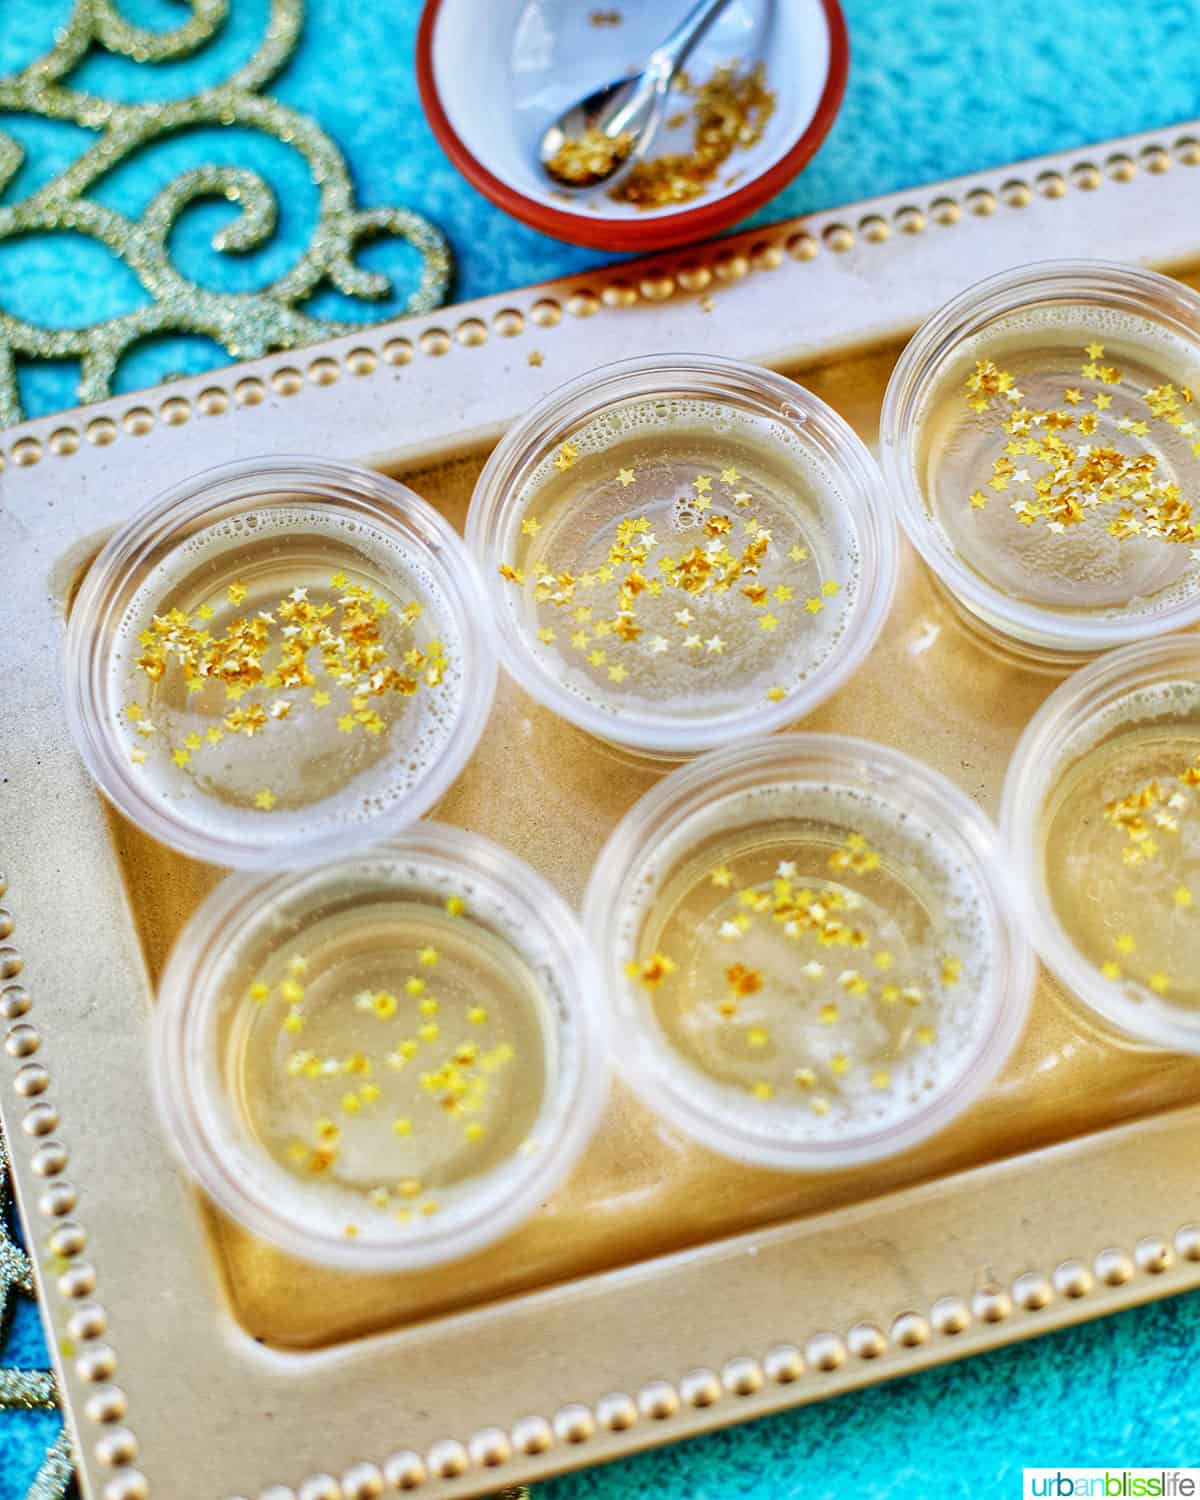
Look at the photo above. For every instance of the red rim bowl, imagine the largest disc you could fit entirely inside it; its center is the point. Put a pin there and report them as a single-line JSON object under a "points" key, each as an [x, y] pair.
{"points": [[663, 231]]}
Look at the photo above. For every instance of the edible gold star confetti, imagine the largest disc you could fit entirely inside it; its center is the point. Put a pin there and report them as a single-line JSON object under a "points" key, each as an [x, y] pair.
{"points": [[729, 113], [282, 650], [1074, 481], [639, 568]]}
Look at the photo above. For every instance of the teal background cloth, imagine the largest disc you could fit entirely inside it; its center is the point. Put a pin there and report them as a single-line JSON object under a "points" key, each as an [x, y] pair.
{"points": [[937, 88]]}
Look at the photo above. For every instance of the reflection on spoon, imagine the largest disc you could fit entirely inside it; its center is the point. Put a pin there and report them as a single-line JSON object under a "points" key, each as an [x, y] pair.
{"points": [[593, 140]]}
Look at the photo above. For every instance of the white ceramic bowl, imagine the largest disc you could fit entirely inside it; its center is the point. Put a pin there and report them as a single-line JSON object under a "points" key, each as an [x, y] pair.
{"points": [[494, 76]]}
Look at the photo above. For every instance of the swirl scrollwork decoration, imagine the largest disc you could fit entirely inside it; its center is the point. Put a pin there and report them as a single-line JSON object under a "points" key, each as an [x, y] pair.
{"points": [[245, 324]]}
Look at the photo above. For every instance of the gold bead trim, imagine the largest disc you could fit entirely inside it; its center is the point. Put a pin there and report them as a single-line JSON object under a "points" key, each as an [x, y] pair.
{"points": [[658, 1401], [74, 1277], [688, 276]]}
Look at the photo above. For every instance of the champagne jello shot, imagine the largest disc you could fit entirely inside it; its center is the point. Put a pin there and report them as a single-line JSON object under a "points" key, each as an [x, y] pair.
{"points": [[811, 952], [1041, 437], [277, 660], [387, 1061], [1102, 817], [682, 550]]}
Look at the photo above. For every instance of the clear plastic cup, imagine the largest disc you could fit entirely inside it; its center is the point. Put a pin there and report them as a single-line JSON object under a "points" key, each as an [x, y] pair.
{"points": [[1101, 815], [384, 1062], [205, 729], [1084, 342], [810, 947], [752, 560]]}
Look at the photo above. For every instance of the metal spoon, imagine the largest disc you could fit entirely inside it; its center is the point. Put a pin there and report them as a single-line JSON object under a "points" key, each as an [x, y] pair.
{"points": [[624, 115]]}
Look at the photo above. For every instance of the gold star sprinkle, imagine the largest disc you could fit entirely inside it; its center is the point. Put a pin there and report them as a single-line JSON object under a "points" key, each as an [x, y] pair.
{"points": [[742, 981], [536, 358], [236, 593], [776, 694], [651, 971], [455, 906], [1159, 983], [181, 757], [1181, 896], [265, 799], [722, 876], [625, 478], [815, 605], [530, 526]]}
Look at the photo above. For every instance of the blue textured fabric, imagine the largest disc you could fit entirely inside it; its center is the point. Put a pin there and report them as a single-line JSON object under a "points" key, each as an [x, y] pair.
{"points": [[936, 88]]}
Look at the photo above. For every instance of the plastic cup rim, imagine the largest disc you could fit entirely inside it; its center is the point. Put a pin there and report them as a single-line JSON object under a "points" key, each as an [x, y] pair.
{"points": [[765, 760], [918, 366], [95, 609], [185, 1002], [497, 494]]}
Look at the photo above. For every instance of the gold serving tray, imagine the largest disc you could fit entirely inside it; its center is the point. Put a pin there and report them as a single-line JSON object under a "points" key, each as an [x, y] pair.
{"points": [[662, 1291]]}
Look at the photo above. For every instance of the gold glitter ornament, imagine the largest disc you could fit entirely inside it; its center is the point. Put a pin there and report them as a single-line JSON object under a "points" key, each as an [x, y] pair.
{"points": [[246, 325], [28, 1390]]}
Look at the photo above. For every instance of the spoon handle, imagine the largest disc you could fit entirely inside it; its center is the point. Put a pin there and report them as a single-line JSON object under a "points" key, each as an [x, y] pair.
{"points": [[671, 53]]}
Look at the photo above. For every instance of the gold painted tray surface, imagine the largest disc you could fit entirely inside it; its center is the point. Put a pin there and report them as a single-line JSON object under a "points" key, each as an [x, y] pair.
{"points": [[662, 1291]]}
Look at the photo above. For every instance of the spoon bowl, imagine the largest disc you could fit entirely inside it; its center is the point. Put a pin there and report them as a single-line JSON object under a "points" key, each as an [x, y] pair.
{"points": [[612, 127]]}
